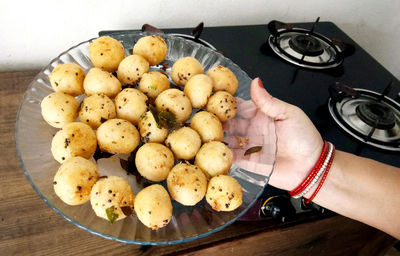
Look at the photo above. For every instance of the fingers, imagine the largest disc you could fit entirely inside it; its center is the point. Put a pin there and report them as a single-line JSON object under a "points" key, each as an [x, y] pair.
{"points": [[273, 107]]}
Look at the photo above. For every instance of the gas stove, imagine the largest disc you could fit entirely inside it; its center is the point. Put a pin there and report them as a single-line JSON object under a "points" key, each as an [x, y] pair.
{"points": [[319, 68]]}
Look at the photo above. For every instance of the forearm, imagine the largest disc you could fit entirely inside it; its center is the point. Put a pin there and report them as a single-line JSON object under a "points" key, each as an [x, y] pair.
{"points": [[363, 189]]}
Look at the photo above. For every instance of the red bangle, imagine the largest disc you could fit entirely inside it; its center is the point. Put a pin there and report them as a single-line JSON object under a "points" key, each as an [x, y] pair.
{"points": [[307, 180], [323, 178]]}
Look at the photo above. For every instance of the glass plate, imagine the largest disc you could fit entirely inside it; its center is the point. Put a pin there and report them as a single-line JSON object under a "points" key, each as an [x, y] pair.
{"points": [[34, 135]]}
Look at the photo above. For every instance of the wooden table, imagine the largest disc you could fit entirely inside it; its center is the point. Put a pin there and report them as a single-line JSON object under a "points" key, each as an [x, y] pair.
{"points": [[29, 227]]}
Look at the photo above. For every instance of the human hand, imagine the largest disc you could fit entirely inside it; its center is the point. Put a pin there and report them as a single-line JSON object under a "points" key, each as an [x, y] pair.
{"points": [[299, 144]]}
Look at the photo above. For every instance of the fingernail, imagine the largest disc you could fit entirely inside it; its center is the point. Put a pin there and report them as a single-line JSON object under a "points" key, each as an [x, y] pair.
{"points": [[260, 83]]}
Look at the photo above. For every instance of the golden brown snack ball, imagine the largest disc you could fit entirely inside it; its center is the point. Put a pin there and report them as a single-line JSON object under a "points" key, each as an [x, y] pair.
{"points": [[117, 136], [68, 78], [98, 81], [153, 83], [153, 48], [154, 161], [184, 68], [187, 184], [208, 126], [106, 53], [214, 158], [153, 206], [130, 104], [198, 89], [184, 142], [175, 101], [224, 79], [97, 109], [74, 139], [59, 109], [223, 105], [131, 69], [74, 180], [149, 130], [224, 193], [111, 193]]}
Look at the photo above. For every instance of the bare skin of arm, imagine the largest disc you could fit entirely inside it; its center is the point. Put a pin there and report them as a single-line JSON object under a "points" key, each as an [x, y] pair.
{"points": [[364, 190], [356, 187]]}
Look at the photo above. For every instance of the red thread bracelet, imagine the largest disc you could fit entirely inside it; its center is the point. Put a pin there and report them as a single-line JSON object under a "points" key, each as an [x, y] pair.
{"points": [[307, 180], [323, 177]]}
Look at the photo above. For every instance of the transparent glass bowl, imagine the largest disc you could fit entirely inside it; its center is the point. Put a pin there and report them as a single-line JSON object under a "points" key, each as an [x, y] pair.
{"points": [[34, 135]]}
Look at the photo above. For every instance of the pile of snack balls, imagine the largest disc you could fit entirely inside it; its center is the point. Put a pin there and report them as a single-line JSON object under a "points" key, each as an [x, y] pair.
{"points": [[148, 117]]}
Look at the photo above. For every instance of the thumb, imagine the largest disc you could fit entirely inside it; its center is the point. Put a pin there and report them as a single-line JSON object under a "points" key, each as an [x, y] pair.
{"points": [[272, 107]]}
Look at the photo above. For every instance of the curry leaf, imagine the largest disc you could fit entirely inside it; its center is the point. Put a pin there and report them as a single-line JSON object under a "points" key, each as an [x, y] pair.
{"points": [[111, 215], [127, 210], [252, 150], [164, 119]]}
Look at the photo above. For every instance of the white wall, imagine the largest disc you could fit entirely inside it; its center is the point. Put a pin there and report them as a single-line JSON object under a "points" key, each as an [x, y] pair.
{"points": [[34, 32]]}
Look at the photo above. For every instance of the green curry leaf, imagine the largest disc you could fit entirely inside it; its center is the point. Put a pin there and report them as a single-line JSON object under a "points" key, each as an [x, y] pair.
{"points": [[111, 215]]}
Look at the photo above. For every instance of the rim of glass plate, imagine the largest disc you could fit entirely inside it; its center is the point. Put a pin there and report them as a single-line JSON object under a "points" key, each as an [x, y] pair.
{"points": [[110, 237]]}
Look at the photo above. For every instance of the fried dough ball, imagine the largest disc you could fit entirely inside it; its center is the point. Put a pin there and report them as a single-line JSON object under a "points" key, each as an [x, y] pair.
{"points": [[187, 184], [68, 78], [130, 104], [154, 161], [97, 109], [153, 83], [224, 193], [74, 180], [112, 196], [131, 69], [59, 109], [74, 139], [175, 101], [184, 68], [153, 206], [223, 105], [117, 136], [106, 53], [214, 158], [184, 142], [98, 81], [198, 89], [224, 79], [149, 130], [208, 126], [153, 48]]}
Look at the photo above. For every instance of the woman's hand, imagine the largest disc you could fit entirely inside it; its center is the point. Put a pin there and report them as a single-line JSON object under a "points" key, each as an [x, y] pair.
{"points": [[356, 187], [299, 144]]}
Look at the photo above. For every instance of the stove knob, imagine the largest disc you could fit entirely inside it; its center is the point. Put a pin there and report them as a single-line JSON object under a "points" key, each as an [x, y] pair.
{"points": [[277, 207]]}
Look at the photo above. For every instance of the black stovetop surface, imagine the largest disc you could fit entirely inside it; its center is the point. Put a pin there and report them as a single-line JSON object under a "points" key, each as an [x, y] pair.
{"points": [[309, 91]]}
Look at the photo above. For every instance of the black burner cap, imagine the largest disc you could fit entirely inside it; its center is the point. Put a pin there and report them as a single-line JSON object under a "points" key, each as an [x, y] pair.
{"points": [[376, 115], [306, 45]]}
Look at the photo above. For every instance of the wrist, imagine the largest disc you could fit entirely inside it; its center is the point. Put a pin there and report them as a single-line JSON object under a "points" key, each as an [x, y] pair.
{"points": [[314, 180], [291, 169]]}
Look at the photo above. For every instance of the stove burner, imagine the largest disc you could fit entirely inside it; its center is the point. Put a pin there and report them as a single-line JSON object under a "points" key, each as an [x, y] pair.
{"points": [[323, 56], [370, 117], [306, 45], [376, 115], [305, 48]]}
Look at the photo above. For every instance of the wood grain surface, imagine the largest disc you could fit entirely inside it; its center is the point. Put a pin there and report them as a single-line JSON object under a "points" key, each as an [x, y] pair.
{"points": [[29, 227]]}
